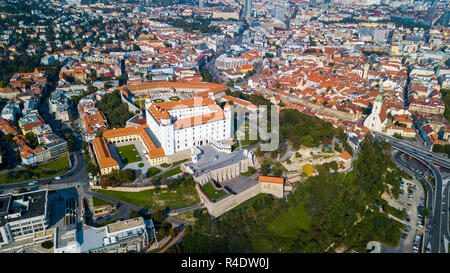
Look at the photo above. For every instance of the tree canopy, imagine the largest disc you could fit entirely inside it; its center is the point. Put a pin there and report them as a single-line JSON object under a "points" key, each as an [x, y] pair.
{"points": [[115, 111]]}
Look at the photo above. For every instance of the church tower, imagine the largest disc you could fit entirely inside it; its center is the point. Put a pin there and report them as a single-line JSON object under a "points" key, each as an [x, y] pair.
{"points": [[378, 118]]}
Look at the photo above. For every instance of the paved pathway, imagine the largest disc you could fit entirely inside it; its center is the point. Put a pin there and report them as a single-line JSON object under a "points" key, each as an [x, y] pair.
{"points": [[174, 241]]}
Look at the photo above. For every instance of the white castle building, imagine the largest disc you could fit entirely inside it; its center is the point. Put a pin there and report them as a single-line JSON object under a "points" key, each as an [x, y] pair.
{"points": [[181, 125], [377, 120]]}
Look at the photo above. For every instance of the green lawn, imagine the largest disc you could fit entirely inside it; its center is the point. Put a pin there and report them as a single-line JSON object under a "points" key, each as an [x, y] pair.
{"points": [[170, 173], [211, 192], [183, 197], [152, 171], [248, 143], [286, 225], [250, 201], [179, 162], [51, 169], [249, 173], [58, 164], [129, 154], [100, 202]]}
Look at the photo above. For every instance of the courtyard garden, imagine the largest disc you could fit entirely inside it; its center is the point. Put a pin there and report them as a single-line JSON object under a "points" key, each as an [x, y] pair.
{"points": [[128, 154], [212, 193]]}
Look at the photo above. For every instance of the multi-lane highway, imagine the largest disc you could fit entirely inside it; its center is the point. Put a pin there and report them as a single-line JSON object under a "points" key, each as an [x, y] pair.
{"points": [[431, 157], [440, 205]]}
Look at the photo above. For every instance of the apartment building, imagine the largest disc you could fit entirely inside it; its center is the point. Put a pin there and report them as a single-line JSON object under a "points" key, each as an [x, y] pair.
{"points": [[22, 215]]}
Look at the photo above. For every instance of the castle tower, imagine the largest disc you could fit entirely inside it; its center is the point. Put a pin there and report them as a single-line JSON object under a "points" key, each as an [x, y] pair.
{"points": [[165, 118]]}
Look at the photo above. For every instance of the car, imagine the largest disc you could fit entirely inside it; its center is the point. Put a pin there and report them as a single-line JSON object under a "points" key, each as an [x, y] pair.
{"points": [[31, 183], [409, 205], [408, 220], [57, 178]]}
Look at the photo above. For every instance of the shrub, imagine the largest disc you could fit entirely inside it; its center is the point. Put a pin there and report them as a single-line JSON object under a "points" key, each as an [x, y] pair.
{"points": [[141, 165], [308, 169]]}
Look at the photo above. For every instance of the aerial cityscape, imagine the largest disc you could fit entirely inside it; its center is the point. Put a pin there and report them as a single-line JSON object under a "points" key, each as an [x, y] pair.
{"points": [[224, 126]]}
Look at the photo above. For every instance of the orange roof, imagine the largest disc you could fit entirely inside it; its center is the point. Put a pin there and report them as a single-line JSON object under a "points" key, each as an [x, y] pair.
{"points": [[104, 157], [165, 114], [197, 120], [239, 101], [345, 155], [244, 67], [158, 110], [158, 85], [153, 152], [271, 179]]}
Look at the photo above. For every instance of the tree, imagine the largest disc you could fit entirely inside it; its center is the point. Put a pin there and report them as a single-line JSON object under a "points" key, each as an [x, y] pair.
{"points": [[107, 181], [31, 137], [159, 215], [308, 169], [264, 169], [114, 109], [426, 212], [70, 141]]}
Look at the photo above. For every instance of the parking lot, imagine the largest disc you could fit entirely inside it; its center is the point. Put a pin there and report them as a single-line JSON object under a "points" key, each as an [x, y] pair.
{"points": [[411, 200]]}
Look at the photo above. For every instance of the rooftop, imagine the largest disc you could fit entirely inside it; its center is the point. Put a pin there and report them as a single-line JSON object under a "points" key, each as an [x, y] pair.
{"points": [[22, 206], [125, 225]]}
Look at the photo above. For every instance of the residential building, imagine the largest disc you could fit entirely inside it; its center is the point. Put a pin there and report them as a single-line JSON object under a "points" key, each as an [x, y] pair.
{"points": [[22, 215]]}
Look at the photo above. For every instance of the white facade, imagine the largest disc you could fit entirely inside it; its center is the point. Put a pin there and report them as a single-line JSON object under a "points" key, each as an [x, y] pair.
{"points": [[23, 215], [198, 128], [377, 120]]}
